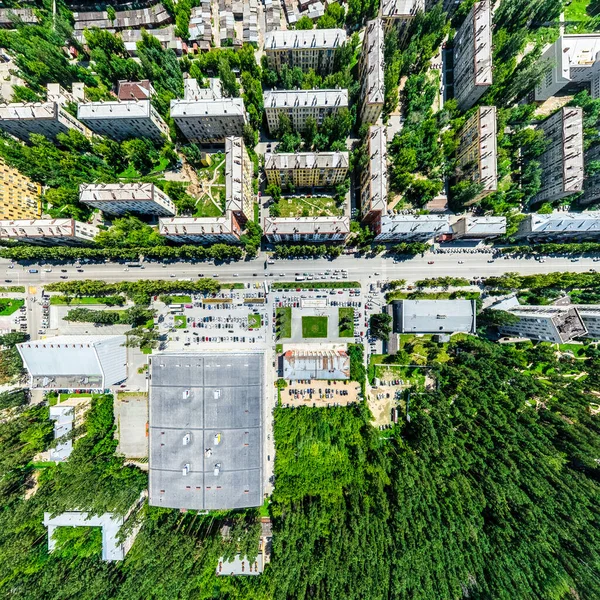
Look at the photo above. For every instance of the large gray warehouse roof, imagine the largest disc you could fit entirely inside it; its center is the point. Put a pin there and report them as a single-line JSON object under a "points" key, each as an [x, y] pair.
{"points": [[206, 430], [434, 316]]}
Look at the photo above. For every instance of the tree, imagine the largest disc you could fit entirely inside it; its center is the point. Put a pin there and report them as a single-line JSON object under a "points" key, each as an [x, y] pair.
{"points": [[274, 191], [381, 326], [129, 232], [304, 22]]}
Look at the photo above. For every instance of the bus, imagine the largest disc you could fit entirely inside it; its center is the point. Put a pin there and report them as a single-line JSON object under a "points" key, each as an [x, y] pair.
{"points": [[266, 287], [300, 278]]}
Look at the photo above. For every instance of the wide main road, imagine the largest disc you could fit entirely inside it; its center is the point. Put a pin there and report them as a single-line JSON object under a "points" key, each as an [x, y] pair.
{"points": [[361, 269]]}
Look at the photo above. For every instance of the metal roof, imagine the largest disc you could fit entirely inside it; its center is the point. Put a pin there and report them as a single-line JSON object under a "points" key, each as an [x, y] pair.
{"points": [[434, 316]]}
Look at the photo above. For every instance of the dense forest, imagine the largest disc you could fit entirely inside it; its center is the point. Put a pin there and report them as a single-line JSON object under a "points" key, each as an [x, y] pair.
{"points": [[489, 492]]}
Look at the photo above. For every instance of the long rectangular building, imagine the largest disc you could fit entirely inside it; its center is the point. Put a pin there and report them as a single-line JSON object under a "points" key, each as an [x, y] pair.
{"points": [[307, 169], [306, 229], [560, 226], [434, 316], [371, 70], [19, 195], [299, 105], [478, 228], [146, 18], [306, 49], [374, 179], [201, 230], [122, 198], [411, 228], [562, 161], [239, 172], [48, 232]]}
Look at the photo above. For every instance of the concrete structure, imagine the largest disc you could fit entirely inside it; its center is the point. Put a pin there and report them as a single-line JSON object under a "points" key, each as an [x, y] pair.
{"points": [[166, 36], [200, 27], [68, 362], [478, 228], [307, 49], [399, 14], [63, 417], [10, 16], [48, 232], [473, 56], [410, 228], [371, 71], [299, 105], [240, 565], [49, 118], [123, 198], [571, 59], [250, 22], [205, 116], [206, 430], [272, 12], [374, 179], [239, 172], [19, 196], [562, 161], [306, 229], [476, 156], [146, 18], [590, 315], [434, 316], [121, 120], [591, 183], [315, 361], [555, 323], [307, 169], [560, 226], [201, 230]]}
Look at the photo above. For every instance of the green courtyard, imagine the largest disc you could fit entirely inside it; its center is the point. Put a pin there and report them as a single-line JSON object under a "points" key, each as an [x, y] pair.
{"points": [[314, 327], [306, 207], [10, 305], [254, 321], [180, 321]]}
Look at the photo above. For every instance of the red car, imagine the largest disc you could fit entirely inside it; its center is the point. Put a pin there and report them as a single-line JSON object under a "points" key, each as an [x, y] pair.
{"points": [[429, 262]]}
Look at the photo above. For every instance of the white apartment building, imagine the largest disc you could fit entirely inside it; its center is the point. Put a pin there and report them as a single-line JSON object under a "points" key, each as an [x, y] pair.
{"points": [[478, 228], [49, 118], [205, 116], [371, 69], [562, 161], [473, 56], [590, 315], [306, 229], [307, 169], [476, 156], [411, 228], [201, 230], [307, 49], [48, 232], [239, 171], [299, 105], [374, 180], [400, 14], [591, 183], [571, 59], [123, 198], [560, 226]]}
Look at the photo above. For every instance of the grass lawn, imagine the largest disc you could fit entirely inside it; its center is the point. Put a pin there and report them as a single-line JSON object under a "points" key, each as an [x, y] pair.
{"points": [[10, 305], [146, 350], [205, 207], [577, 10], [13, 289], [314, 327], [180, 321], [65, 301], [169, 299], [348, 329], [254, 321], [308, 207], [283, 317]]}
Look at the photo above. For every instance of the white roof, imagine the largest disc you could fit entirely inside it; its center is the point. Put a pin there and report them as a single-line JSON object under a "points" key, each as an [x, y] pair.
{"points": [[565, 222], [28, 110], [435, 316], [484, 225], [307, 225], [45, 228], [377, 173], [307, 160], [195, 225], [373, 45], [304, 39], [415, 224], [398, 8], [300, 98], [118, 109], [207, 108], [63, 417]]}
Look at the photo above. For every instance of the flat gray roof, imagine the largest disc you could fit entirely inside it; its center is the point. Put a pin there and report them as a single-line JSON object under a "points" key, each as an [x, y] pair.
{"points": [[205, 416], [434, 316]]}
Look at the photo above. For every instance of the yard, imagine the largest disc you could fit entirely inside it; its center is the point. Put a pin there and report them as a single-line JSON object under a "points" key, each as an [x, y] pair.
{"points": [[211, 202], [283, 316], [205, 207], [306, 207], [180, 321], [346, 322], [314, 327], [10, 305], [580, 11], [254, 321]]}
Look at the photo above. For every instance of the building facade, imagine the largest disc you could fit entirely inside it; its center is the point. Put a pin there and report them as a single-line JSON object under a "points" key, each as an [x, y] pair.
{"points": [[19, 196], [410, 228], [201, 230], [48, 232], [306, 229], [123, 198], [399, 14], [591, 183], [476, 157], [562, 161], [205, 116], [374, 179], [473, 56], [306, 49], [299, 105], [307, 169], [560, 226], [239, 172], [478, 228], [590, 315], [371, 69]]}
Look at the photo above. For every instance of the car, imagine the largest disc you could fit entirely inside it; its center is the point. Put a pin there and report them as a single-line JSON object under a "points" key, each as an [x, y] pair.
{"points": [[63, 270], [64, 277], [216, 275], [200, 274], [491, 260], [48, 270], [80, 270], [8, 281], [461, 262], [429, 262], [33, 271], [11, 266]]}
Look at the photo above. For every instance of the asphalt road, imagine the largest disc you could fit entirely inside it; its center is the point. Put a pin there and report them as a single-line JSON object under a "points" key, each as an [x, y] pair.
{"points": [[362, 269]]}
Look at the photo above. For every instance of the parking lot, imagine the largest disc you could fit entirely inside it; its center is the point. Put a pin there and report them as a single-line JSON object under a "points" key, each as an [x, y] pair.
{"points": [[320, 393]]}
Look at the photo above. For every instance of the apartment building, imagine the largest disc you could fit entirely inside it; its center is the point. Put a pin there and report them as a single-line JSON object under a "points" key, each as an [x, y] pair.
{"points": [[371, 69], [306, 49], [374, 179], [571, 59], [399, 14], [299, 105], [201, 230], [591, 183], [205, 116], [477, 153], [49, 118], [307, 169], [19, 196], [478, 228], [410, 228], [123, 198], [239, 171], [562, 161], [306, 229], [560, 226], [558, 324], [473, 56], [590, 315], [48, 232]]}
